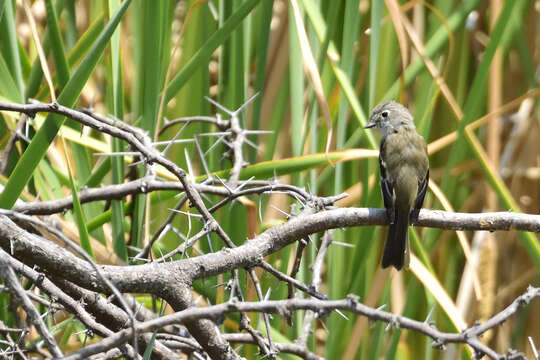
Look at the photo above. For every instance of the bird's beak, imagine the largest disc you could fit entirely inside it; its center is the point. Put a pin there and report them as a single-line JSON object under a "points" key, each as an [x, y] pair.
{"points": [[370, 124]]}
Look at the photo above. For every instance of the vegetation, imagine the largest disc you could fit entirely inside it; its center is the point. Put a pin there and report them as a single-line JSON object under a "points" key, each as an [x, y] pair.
{"points": [[467, 70]]}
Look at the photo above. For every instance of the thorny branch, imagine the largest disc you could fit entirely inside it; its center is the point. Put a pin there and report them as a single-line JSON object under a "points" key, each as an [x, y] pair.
{"points": [[323, 308], [73, 282]]}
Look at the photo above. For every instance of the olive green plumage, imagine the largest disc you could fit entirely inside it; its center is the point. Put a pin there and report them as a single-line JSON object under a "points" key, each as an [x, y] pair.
{"points": [[404, 168]]}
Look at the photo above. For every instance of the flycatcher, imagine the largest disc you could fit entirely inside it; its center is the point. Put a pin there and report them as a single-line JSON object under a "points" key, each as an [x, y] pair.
{"points": [[404, 168]]}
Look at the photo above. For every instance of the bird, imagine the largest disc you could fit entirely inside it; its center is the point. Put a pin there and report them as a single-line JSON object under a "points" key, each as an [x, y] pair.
{"points": [[404, 170]]}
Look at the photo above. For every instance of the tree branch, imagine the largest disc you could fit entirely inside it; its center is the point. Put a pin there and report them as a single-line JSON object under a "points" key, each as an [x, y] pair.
{"points": [[151, 277], [321, 307]]}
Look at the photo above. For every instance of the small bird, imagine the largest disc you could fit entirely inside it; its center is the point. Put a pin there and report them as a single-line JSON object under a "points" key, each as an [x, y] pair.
{"points": [[404, 167]]}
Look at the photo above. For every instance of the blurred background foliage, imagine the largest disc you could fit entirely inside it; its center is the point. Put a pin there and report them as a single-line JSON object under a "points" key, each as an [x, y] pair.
{"points": [[149, 62]]}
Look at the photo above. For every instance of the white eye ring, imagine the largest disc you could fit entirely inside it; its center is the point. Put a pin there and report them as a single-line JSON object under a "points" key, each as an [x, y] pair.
{"points": [[384, 114]]}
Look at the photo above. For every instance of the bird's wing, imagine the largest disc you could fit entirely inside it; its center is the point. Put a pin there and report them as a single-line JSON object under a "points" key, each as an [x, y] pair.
{"points": [[386, 186], [422, 188]]}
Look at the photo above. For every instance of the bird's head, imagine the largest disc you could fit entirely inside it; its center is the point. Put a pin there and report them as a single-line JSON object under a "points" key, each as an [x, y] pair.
{"points": [[389, 116]]}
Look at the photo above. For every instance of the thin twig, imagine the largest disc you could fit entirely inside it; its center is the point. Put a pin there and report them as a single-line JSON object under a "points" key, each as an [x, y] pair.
{"points": [[10, 279]]}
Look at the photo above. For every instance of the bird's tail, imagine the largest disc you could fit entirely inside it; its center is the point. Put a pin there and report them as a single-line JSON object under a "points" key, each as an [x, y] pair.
{"points": [[396, 249]]}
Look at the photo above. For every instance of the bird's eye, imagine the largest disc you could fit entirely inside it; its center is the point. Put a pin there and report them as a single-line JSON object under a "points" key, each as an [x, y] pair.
{"points": [[384, 114]]}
